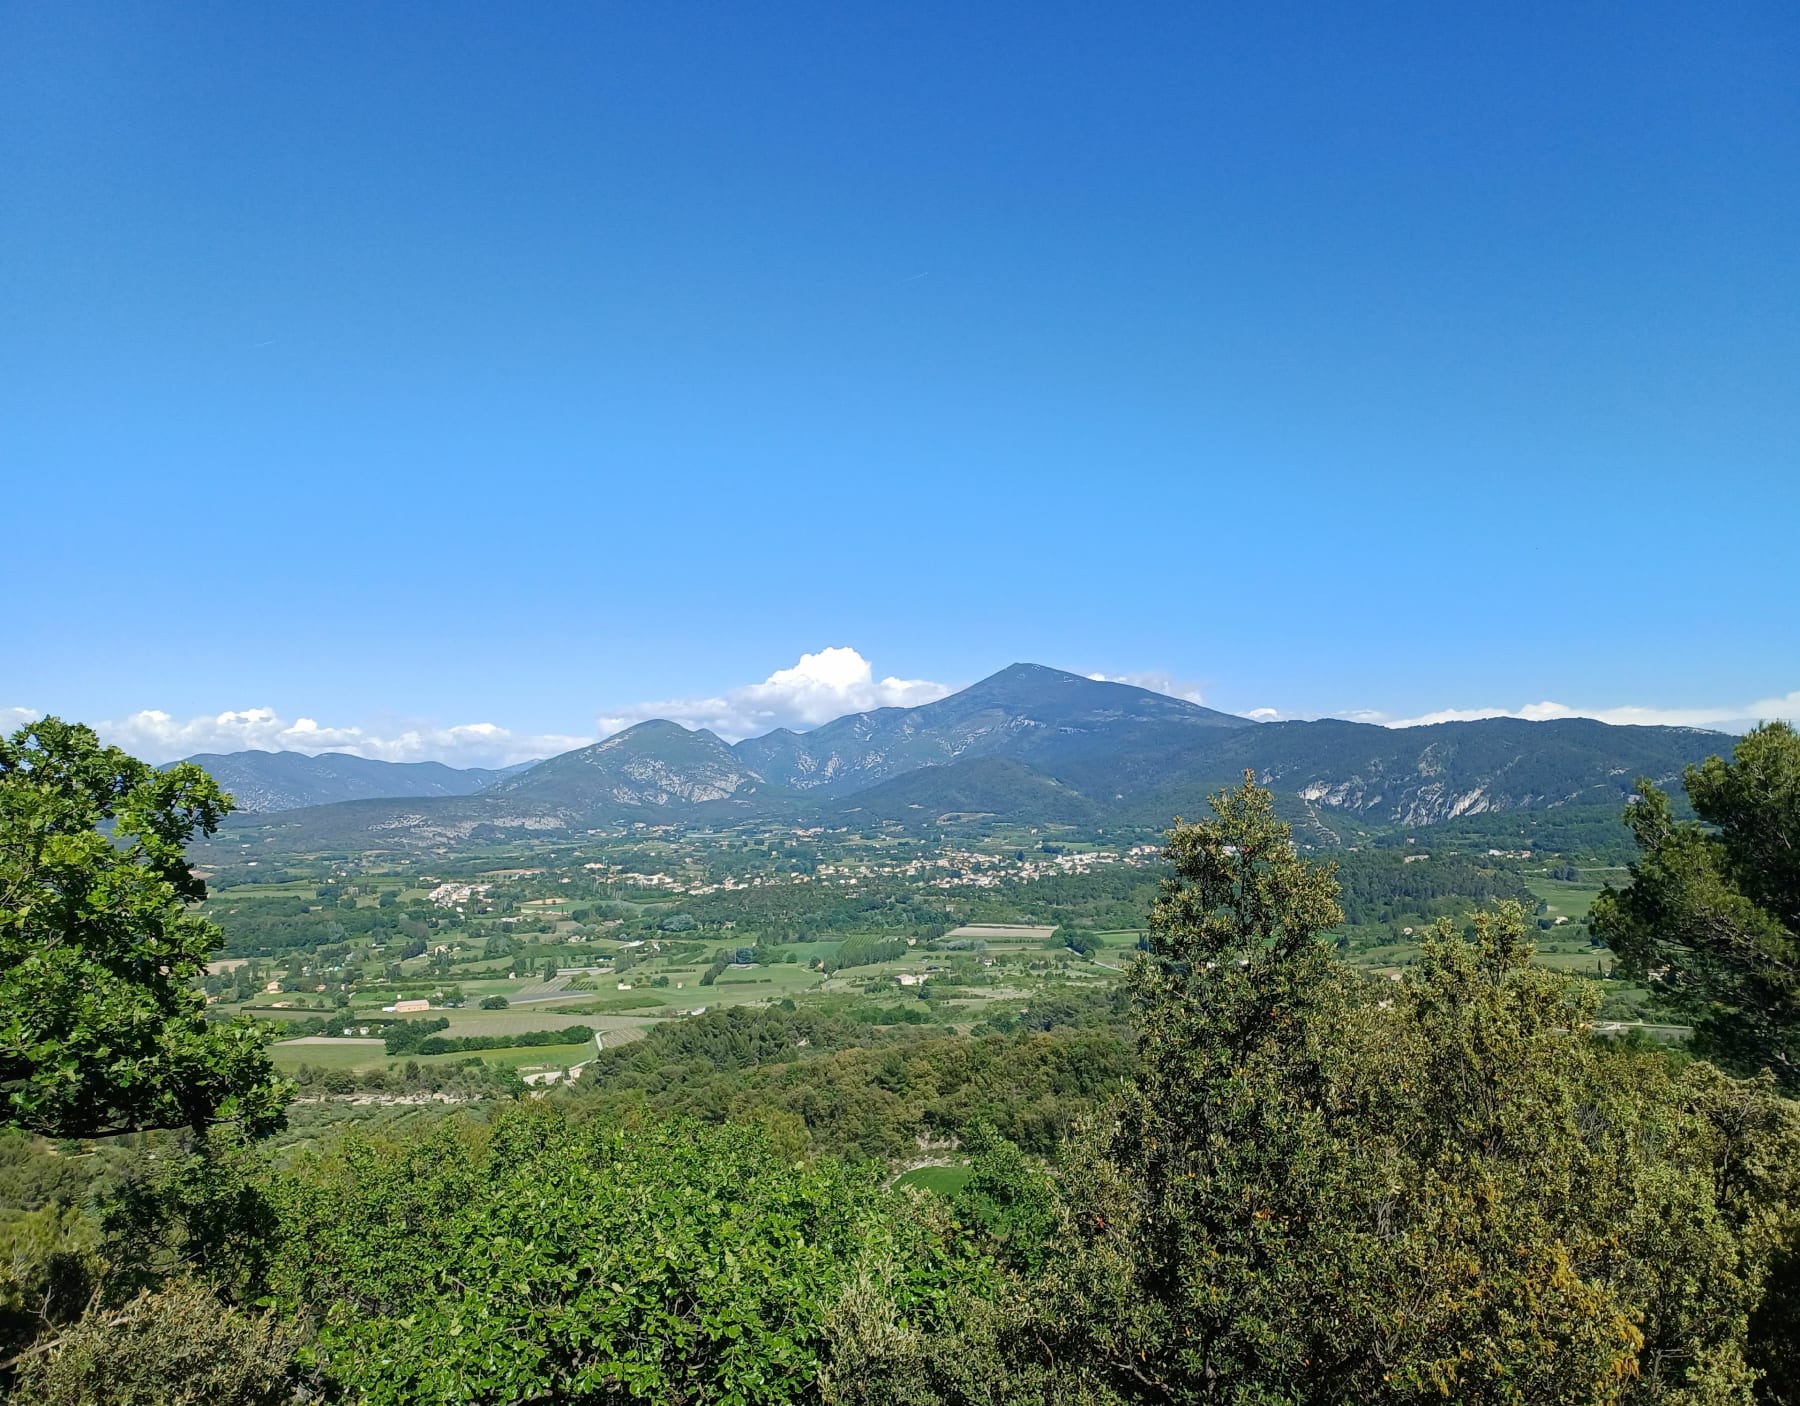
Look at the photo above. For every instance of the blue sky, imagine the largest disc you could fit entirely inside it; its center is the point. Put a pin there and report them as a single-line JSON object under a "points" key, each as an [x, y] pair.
{"points": [[409, 367]]}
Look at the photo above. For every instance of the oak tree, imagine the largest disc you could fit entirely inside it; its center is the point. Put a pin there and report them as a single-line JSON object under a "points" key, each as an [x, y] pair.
{"points": [[102, 1027]]}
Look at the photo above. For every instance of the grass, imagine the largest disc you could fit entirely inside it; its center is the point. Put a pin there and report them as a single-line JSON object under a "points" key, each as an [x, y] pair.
{"points": [[361, 1057], [940, 1181], [1564, 899], [289, 1057]]}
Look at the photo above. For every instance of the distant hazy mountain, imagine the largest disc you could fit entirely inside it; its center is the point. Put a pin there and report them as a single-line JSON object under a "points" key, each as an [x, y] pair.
{"points": [[275, 781], [1036, 745]]}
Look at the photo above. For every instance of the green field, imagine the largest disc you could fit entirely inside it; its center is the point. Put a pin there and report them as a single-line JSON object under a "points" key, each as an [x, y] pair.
{"points": [[1572, 900], [360, 1055], [942, 1181]]}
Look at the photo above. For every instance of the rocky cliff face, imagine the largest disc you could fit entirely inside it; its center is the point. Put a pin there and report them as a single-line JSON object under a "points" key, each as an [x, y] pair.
{"points": [[653, 765]]}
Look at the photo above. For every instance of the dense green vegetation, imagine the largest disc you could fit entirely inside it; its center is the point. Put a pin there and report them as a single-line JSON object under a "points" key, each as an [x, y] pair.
{"points": [[1712, 915], [1249, 1141], [824, 1084], [101, 1028]]}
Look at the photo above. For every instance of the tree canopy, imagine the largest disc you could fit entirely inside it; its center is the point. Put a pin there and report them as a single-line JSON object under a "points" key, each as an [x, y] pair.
{"points": [[1321, 1187], [1711, 917], [101, 1028]]}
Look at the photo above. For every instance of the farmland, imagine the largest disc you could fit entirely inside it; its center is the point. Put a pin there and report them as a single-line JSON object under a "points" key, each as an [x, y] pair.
{"points": [[978, 930]]}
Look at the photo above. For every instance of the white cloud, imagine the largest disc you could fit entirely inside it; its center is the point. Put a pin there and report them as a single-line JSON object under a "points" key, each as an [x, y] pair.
{"points": [[1156, 683], [818, 688], [157, 736], [1724, 718]]}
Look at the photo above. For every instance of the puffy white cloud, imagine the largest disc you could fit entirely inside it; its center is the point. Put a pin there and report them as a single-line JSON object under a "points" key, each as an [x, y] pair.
{"points": [[818, 688], [157, 736], [1156, 683]]}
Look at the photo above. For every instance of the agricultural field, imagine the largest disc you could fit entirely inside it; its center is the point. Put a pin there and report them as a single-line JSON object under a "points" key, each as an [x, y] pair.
{"points": [[628, 932]]}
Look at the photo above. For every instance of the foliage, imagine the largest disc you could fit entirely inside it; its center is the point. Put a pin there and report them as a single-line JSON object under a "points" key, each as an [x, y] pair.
{"points": [[407, 1036], [1711, 917], [49, 1268], [101, 1030], [1008, 1201], [177, 1346], [203, 1210], [852, 1090], [542, 1261], [1318, 1193], [866, 952], [1381, 886], [457, 1044]]}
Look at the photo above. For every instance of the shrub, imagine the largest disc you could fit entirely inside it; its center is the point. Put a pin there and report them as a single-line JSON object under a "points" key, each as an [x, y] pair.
{"points": [[537, 1261], [177, 1347], [48, 1267]]}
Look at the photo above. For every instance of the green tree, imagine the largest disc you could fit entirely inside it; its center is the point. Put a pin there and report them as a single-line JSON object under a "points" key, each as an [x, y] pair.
{"points": [[102, 1029], [1323, 1189], [1711, 916]]}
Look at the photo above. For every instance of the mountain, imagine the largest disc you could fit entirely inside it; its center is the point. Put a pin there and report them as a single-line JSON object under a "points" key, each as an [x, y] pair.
{"points": [[1389, 776], [1025, 711], [996, 788], [1425, 775], [263, 782], [1035, 745], [654, 765]]}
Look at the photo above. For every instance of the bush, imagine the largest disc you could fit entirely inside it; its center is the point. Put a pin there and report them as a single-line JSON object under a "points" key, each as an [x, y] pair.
{"points": [[177, 1347], [48, 1266], [494, 1003], [535, 1261]]}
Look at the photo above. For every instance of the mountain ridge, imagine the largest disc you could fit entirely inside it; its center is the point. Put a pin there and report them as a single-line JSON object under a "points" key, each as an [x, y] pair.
{"points": [[268, 782], [1032, 744]]}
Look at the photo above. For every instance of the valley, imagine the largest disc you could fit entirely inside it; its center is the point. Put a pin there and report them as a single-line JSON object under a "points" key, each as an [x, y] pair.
{"points": [[976, 866], [978, 928]]}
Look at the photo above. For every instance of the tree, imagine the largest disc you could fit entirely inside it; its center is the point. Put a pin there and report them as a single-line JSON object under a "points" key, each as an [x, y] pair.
{"points": [[1322, 1188], [102, 1029], [1711, 916]]}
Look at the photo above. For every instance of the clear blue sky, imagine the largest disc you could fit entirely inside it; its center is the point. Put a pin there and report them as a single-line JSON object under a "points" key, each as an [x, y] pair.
{"points": [[524, 363]]}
